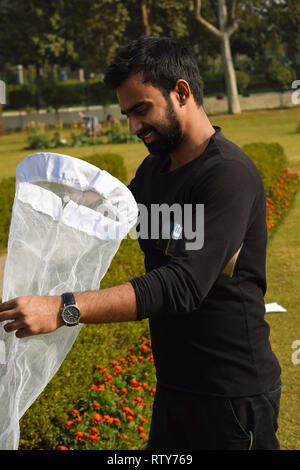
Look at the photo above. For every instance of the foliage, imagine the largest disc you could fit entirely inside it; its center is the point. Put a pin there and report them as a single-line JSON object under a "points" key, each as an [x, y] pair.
{"points": [[116, 411], [111, 162], [280, 76], [269, 159], [243, 80]]}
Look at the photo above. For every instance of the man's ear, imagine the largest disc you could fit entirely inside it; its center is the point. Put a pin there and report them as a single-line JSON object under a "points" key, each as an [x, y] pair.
{"points": [[183, 91]]}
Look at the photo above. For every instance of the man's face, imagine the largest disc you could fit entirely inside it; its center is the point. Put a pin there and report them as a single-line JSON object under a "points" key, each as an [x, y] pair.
{"points": [[152, 117]]}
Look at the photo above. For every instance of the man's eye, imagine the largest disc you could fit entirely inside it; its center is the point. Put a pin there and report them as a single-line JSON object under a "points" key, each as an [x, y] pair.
{"points": [[140, 112]]}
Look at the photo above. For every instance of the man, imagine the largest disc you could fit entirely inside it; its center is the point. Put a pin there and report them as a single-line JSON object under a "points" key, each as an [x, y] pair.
{"points": [[218, 379]]}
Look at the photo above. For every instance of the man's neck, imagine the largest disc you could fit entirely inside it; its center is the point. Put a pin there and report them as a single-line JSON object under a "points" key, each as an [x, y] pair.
{"points": [[194, 143]]}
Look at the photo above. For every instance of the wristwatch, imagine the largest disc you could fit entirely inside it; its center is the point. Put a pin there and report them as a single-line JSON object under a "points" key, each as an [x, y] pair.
{"points": [[70, 312]]}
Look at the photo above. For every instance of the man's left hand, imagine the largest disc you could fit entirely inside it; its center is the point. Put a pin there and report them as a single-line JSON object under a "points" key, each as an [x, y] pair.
{"points": [[32, 315]]}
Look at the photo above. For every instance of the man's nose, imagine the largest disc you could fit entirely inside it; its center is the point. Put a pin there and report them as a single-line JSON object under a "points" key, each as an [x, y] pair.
{"points": [[135, 125]]}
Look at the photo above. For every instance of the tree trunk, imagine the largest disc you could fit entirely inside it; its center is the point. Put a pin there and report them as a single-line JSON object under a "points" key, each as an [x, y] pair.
{"points": [[230, 78], [1, 121], [145, 16], [228, 68]]}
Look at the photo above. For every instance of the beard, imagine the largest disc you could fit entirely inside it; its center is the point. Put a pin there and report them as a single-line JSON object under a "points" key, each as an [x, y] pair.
{"points": [[168, 136]]}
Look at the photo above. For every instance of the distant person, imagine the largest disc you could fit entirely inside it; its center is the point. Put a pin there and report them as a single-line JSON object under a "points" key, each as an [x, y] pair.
{"points": [[112, 123], [92, 125]]}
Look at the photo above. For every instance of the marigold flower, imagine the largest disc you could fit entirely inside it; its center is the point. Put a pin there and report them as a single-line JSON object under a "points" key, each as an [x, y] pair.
{"points": [[127, 410], [79, 435], [144, 348], [118, 369], [141, 429], [113, 363], [61, 448], [94, 431], [141, 359], [116, 421], [143, 435], [129, 349], [122, 359], [95, 406], [93, 438], [109, 378], [75, 412], [69, 424], [142, 420], [134, 382], [107, 418], [130, 418], [138, 399], [102, 369], [144, 339], [152, 390], [97, 418], [93, 387], [146, 374], [124, 391], [132, 358], [79, 419], [119, 436], [100, 387], [145, 385]]}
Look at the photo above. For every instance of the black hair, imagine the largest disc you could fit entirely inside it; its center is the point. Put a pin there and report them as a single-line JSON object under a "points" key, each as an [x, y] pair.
{"points": [[162, 62]]}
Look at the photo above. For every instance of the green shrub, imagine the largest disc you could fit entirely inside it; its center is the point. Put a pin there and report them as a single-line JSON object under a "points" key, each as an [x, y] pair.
{"points": [[279, 77], [243, 80], [269, 159], [111, 162], [7, 194]]}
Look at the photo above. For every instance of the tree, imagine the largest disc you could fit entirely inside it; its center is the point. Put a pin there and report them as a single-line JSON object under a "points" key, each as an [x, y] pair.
{"points": [[227, 26]]}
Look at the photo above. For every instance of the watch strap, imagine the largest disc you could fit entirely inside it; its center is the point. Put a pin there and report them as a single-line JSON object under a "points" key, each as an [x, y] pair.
{"points": [[68, 298]]}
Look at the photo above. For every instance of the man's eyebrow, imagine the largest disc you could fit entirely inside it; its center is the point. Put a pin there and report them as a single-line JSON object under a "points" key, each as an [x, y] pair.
{"points": [[135, 106]]}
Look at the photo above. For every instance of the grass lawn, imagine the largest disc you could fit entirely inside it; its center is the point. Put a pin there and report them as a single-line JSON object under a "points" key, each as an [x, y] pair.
{"points": [[283, 259]]}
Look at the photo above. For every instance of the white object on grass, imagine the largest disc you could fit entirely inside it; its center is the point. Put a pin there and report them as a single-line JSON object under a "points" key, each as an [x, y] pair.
{"points": [[274, 307]]}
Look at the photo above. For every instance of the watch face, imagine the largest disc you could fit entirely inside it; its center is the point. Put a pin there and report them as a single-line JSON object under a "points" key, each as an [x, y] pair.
{"points": [[71, 315]]}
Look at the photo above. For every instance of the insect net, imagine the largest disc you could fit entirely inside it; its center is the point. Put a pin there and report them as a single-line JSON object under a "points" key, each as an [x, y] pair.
{"points": [[68, 220]]}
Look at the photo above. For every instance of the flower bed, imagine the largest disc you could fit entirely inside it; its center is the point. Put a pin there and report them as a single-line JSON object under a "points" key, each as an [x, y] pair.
{"points": [[279, 197], [116, 411]]}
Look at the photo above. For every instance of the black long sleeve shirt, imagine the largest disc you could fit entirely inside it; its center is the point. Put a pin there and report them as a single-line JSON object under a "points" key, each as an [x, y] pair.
{"points": [[208, 331]]}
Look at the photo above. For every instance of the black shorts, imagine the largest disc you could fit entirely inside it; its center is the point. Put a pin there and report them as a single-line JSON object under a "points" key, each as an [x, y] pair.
{"points": [[189, 421]]}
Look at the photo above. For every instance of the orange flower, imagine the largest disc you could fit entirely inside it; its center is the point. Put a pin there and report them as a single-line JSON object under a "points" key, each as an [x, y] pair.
{"points": [[141, 429], [109, 378], [152, 390], [143, 435], [142, 420], [145, 385], [119, 436], [79, 435], [122, 359], [132, 358], [95, 406], [97, 418], [144, 348], [130, 418], [79, 420], [61, 448], [69, 424], [102, 369], [134, 382], [94, 431], [138, 399], [100, 388], [107, 418], [116, 421], [118, 369], [141, 359], [75, 412], [93, 438], [124, 391], [113, 363], [127, 410]]}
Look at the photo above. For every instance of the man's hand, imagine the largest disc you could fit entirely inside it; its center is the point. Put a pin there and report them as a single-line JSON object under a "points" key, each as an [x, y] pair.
{"points": [[32, 315]]}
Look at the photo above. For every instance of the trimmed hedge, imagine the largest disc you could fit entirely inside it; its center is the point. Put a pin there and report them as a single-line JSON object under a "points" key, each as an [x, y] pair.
{"points": [[269, 159]]}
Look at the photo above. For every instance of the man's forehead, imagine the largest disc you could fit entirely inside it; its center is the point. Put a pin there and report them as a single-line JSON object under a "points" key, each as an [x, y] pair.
{"points": [[134, 91]]}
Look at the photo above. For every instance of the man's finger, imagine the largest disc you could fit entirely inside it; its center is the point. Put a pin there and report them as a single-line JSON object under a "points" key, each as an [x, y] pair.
{"points": [[14, 325], [8, 315], [23, 333], [8, 305]]}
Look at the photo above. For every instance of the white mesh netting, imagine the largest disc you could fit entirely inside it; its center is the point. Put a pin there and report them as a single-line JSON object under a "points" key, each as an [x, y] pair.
{"points": [[68, 221]]}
